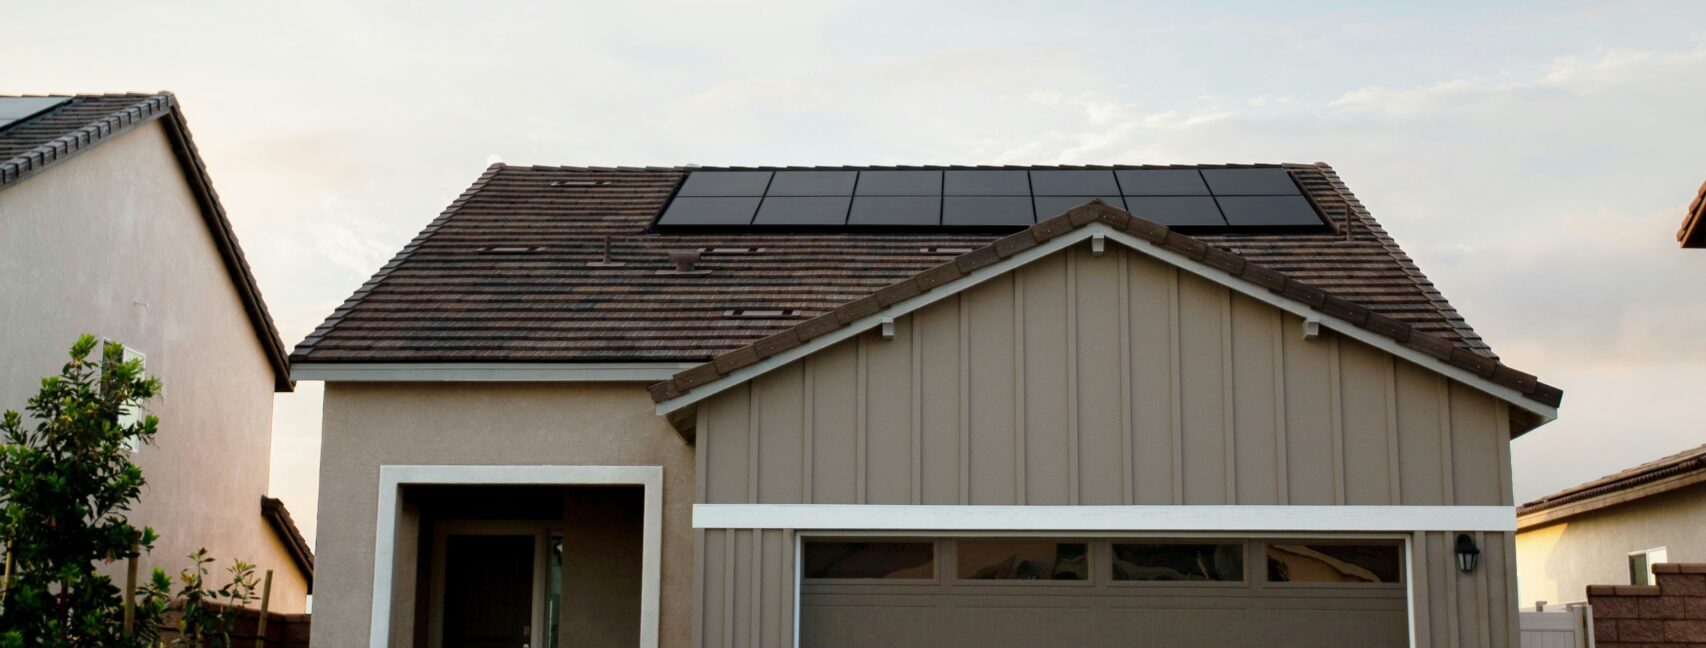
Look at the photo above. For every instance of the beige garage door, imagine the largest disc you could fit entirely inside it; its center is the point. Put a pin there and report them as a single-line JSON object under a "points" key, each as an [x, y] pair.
{"points": [[894, 593]]}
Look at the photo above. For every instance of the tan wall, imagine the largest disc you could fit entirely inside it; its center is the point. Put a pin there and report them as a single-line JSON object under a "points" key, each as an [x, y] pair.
{"points": [[367, 425], [1558, 561], [112, 243], [1101, 380]]}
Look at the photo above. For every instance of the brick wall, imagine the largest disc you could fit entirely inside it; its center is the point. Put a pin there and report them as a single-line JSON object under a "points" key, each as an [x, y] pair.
{"points": [[1671, 614]]}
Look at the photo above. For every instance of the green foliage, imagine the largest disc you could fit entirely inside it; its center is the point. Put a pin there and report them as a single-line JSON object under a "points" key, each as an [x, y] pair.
{"points": [[209, 626], [66, 484]]}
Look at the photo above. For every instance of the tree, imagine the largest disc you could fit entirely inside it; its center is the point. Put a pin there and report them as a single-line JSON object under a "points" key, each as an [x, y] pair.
{"points": [[66, 485]]}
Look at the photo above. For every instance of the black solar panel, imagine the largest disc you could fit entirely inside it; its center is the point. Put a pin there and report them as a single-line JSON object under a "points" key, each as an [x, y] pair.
{"points": [[694, 211], [1250, 182], [725, 183], [1051, 206], [987, 211], [986, 183], [1161, 182], [1176, 211], [900, 183], [1073, 183], [911, 211], [812, 183], [1269, 211], [803, 211]]}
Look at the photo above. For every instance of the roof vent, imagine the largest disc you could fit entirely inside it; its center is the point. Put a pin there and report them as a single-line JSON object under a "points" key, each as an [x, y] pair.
{"points": [[946, 250], [759, 313], [605, 261], [686, 263]]}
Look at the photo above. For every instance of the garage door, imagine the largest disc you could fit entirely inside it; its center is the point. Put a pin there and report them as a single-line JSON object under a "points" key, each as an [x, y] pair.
{"points": [[892, 593]]}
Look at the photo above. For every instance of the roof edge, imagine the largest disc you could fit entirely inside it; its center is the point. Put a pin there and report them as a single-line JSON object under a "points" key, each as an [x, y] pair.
{"points": [[278, 518], [1635, 483], [762, 354], [1693, 232]]}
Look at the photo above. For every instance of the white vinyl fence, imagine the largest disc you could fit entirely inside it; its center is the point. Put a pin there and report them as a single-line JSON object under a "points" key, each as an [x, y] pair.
{"points": [[1558, 626]]}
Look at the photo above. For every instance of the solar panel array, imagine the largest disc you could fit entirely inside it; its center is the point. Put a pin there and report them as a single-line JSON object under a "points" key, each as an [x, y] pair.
{"points": [[15, 109], [1222, 198]]}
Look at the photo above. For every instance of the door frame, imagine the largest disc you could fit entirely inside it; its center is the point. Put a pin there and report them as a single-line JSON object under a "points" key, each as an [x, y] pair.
{"points": [[539, 530], [392, 478]]}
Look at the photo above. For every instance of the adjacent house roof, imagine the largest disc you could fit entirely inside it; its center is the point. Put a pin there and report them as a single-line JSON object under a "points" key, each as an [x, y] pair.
{"points": [[82, 122], [278, 518], [1693, 232], [514, 271], [1213, 261], [1652, 478]]}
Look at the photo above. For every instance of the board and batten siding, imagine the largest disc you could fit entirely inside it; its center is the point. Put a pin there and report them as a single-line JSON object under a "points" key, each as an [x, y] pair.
{"points": [[1100, 380]]}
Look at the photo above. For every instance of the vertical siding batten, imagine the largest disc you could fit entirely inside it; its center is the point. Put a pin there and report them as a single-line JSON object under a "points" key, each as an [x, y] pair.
{"points": [[1074, 485], [916, 374], [1395, 494], [1449, 490], [861, 417], [807, 418], [1128, 488], [1282, 485], [1228, 408], [965, 399], [1018, 391], [1176, 401], [1336, 414]]}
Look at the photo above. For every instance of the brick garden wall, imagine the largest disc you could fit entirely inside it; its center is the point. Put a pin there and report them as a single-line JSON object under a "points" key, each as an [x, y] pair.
{"points": [[1671, 614]]}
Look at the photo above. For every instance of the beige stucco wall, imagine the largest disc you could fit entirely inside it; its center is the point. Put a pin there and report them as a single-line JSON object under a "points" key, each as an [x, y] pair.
{"points": [[367, 425], [1558, 561], [112, 243]]}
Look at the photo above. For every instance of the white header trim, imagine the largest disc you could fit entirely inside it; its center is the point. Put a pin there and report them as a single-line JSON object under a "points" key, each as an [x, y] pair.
{"points": [[857, 517], [488, 371], [392, 478]]}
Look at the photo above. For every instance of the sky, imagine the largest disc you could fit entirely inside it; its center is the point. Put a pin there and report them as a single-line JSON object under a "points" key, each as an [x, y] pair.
{"points": [[1535, 158]]}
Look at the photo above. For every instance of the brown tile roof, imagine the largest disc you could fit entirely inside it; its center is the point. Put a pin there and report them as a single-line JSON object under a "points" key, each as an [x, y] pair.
{"points": [[1693, 232], [508, 273], [278, 518], [35, 144], [1651, 478], [1160, 235]]}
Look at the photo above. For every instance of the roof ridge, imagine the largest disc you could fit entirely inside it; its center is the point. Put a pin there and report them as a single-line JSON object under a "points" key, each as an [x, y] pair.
{"points": [[1155, 233], [338, 314]]}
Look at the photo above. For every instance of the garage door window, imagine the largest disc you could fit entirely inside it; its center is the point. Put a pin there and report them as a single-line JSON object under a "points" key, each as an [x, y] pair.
{"points": [[1014, 560], [1178, 562], [832, 559], [1334, 563]]}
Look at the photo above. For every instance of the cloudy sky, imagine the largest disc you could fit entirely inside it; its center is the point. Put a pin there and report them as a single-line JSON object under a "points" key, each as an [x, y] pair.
{"points": [[1534, 157]]}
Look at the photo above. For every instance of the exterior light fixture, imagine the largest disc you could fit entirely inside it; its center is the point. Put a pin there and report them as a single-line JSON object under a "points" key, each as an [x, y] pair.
{"points": [[1468, 555]]}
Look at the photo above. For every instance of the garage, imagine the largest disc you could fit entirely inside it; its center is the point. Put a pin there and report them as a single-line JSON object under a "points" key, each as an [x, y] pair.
{"points": [[1173, 592]]}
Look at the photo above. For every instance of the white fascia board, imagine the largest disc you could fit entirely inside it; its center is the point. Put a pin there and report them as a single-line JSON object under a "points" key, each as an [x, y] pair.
{"points": [[1547, 413], [488, 371], [1252, 519]]}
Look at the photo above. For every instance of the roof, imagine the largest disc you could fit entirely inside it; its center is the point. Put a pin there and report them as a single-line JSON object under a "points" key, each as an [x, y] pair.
{"points": [[1212, 261], [1652, 478], [511, 272], [1693, 232], [278, 518], [35, 144]]}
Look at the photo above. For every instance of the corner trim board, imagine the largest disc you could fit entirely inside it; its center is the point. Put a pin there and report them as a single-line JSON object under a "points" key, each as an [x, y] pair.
{"points": [[488, 371], [393, 477], [856, 517]]}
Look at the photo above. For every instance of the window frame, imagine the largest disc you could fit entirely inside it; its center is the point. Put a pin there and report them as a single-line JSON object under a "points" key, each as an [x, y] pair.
{"points": [[1647, 556], [1244, 552], [1262, 553], [1092, 560], [936, 557]]}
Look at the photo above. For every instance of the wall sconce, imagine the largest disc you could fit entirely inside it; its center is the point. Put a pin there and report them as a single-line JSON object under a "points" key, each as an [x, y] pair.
{"points": [[1468, 555]]}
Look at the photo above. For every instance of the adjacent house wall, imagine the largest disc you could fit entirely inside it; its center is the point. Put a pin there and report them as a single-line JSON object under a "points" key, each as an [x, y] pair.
{"points": [[367, 425], [1081, 380], [112, 243], [1557, 562]]}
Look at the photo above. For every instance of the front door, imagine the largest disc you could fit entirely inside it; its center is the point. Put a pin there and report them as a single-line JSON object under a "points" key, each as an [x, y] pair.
{"points": [[488, 591]]}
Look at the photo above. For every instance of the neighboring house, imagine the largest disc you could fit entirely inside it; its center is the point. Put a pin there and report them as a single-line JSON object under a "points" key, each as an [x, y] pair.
{"points": [[1693, 232], [109, 225], [1612, 530], [858, 406]]}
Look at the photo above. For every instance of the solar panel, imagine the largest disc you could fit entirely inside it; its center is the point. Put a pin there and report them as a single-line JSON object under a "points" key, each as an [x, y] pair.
{"points": [[1250, 182], [814, 211], [1269, 211], [812, 183], [1161, 182], [986, 183], [987, 211], [725, 183], [899, 183], [896, 210], [690, 211], [1073, 183], [1052, 206], [1176, 210], [13, 109]]}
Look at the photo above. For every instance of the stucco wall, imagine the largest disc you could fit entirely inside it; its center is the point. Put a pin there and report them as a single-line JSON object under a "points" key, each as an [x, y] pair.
{"points": [[367, 425], [112, 243], [1558, 561]]}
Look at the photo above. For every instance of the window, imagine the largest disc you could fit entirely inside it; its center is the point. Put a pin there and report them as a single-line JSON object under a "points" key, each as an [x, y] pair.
{"points": [[864, 559], [130, 414], [1178, 562], [1334, 563], [1015, 560], [1641, 565]]}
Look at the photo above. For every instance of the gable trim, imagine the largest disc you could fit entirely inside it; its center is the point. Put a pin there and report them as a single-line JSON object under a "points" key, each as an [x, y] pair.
{"points": [[694, 385]]}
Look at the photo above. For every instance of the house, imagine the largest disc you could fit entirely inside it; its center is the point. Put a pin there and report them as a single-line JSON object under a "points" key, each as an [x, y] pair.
{"points": [[1693, 232], [912, 406], [1612, 530], [109, 225]]}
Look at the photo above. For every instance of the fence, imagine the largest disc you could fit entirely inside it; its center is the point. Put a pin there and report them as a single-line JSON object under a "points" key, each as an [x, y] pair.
{"points": [[1562, 626]]}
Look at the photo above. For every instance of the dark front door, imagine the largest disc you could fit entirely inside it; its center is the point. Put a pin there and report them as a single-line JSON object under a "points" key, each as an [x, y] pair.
{"points": [[488, 591]]}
